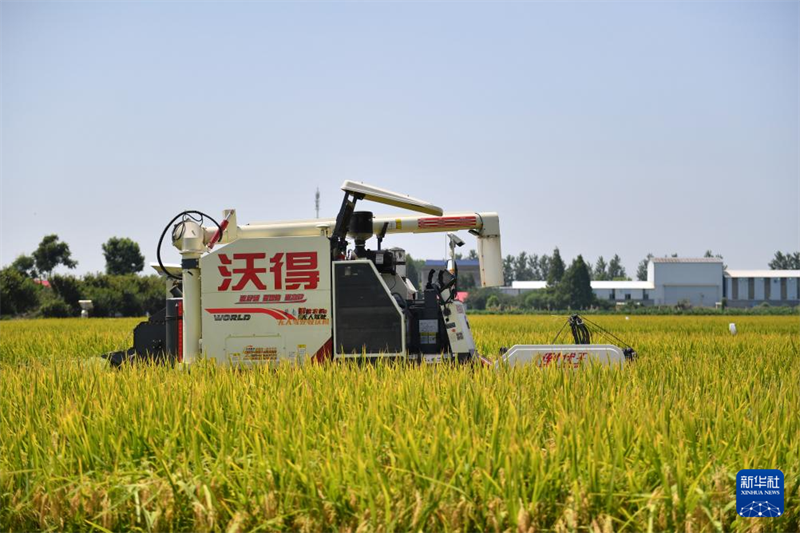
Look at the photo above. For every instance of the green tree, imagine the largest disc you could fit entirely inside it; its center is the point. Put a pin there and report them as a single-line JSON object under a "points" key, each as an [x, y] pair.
{"points": [[122, 256], [575, 289], [128, 295], [466, 282], [556, 271], [52, 306], [778, 262], [522, 269], [641, 270], [600, 270], [472, 255], [535, 268], [537, 300], [69, 289], [25, 265], [508, 269], [18, 293], [51, 253], [479, 297], [413, 269], [544, 267], [615, 268], [788, 261]]}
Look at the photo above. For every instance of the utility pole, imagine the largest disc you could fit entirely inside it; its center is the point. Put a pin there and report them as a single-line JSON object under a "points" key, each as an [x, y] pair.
{"points": [[316, 202]]}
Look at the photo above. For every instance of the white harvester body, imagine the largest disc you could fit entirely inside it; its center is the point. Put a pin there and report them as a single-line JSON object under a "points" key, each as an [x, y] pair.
{"points": [[273, 292], [266, 300]]}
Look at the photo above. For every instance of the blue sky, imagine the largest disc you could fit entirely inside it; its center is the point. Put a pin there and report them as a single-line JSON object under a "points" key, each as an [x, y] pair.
{"points": [[600, 128]]}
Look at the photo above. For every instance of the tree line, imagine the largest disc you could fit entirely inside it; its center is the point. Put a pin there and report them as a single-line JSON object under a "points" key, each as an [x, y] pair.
{"points": [[532, 267], [787, 261], [567, 287], [525, 267], [122, 256], [29, 287]]}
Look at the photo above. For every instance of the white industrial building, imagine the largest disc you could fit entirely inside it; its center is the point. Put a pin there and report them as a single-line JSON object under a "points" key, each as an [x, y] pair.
{"points": [[746, 288], [696, 281], [623, 290], [699, 282]]}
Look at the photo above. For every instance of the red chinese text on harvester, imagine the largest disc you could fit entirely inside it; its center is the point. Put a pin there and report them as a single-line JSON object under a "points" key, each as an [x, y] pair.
{"points": [[283, 271]]}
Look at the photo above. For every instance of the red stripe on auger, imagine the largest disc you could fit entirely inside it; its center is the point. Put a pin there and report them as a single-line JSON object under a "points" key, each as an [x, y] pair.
{"points": [[446, 222]]}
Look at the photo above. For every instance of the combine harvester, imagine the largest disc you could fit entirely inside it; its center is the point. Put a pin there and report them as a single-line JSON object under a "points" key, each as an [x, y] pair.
{"points": [[267, 293]]}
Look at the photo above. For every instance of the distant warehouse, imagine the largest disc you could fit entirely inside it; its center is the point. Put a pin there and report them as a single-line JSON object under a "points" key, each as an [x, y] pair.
{"points": [[700, 282], [697, 281], [746, 288]]}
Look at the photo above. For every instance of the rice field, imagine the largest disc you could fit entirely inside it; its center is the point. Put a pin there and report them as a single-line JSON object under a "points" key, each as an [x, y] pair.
{"points": [[654, 446]]}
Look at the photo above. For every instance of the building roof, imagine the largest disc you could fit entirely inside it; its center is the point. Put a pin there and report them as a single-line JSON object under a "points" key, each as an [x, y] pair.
{"points": [[441, 263], [762, 273], [623, 285], [528, 284], [686, 260]]}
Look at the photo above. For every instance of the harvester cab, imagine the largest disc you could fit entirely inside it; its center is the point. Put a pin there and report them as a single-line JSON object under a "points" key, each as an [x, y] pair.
{"points": [[312, 290]]}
